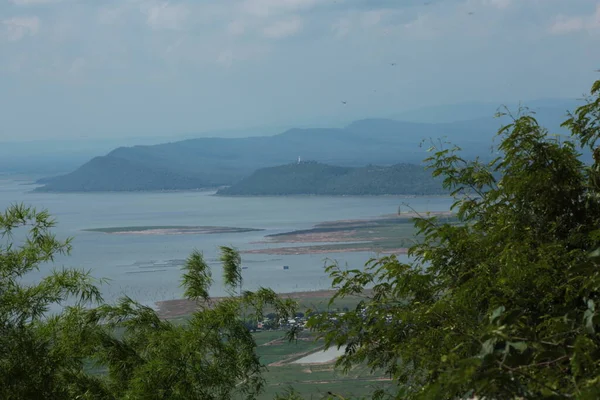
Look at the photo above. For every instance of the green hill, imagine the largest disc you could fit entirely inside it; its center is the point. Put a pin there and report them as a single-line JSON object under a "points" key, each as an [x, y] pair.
{"points": [[314, 178], [117, 174], [215, 162]]}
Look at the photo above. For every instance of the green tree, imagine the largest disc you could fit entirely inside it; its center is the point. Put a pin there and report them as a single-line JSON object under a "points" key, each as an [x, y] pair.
{"points": [[135, 354], [38, 360], [232, 268], [212, 356], [504, 304]]}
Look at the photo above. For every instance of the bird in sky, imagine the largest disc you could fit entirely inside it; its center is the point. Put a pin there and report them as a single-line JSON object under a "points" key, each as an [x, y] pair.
{"points": [[344, 102], [470, 13], [392, 64]]}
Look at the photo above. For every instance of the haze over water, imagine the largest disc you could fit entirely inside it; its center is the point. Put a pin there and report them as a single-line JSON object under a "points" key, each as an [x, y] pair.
{"points": [[147, 267]]}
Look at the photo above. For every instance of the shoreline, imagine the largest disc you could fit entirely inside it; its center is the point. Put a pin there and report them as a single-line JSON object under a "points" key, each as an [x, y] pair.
{"points": [[291, 251], [404, 196], [170, 230], [385, 234], [170, 309]]}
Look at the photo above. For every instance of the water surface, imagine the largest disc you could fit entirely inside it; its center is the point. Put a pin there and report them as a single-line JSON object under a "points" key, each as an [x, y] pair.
{"points": [[147, 267]]}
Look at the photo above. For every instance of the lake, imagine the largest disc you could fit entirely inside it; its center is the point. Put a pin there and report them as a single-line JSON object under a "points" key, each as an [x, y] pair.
{"points": [[147, 267]]}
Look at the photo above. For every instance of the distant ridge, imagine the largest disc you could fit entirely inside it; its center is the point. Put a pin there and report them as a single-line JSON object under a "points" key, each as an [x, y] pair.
{"points": [[216, 162], [312, 178]]}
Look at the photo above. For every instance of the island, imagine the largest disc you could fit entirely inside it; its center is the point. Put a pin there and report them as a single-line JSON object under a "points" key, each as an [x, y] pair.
{"points": [[170, 230], [314, 178], [387, 234]]}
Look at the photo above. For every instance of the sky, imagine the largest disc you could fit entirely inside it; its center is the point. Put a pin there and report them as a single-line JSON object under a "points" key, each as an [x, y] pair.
{"points": [[138, 68]]}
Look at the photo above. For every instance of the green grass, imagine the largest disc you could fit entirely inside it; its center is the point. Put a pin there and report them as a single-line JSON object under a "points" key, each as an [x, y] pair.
{"points": [[310, 381], [319, 303], [283, 351], [313, 382], [266, 336]]}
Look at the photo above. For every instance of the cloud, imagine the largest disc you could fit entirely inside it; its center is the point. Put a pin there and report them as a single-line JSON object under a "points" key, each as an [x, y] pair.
{"points": [[341, 27], [17, 28], [32, 2], [227, 57], [76, 66], [594, 22], [187, 33], [236, 28], [425, 26], [372, 18], [110, 16], [500, 4], [166, 16], [361, 22], [265, 8], [563, 25], [283, 28]]}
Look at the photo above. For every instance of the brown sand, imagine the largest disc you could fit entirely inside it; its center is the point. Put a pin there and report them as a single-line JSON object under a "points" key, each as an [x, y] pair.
{"points": [[284, 251]]}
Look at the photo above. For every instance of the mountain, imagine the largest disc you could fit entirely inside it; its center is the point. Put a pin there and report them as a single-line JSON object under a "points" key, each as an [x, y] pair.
{"points": [[314, 178], [59, 156], [118, 174], [213, 162]]}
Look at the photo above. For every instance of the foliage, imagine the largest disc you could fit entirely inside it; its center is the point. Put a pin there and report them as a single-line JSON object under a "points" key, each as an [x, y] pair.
{"points": [[37, 359], [322, 179], [48, 356], [232, 267], [505, 304]]}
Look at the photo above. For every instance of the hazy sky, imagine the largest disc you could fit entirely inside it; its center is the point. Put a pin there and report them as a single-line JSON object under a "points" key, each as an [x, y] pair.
{"points": [[110, 68]]}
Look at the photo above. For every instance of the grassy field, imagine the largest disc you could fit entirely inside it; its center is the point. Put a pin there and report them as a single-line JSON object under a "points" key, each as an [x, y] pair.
{"points": [[312, 381], [279, 350]]}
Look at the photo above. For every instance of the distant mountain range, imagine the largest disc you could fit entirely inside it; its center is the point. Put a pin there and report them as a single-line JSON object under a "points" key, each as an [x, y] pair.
{"points": [[311, 178], [216, 162]]}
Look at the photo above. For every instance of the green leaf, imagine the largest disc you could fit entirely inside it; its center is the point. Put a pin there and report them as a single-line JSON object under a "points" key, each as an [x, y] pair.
{"points": [[519, 346], [497, 313]]}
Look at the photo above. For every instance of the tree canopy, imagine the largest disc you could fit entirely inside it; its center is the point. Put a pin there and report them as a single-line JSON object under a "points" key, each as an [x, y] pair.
{"points": [[504, 304], [140, 356]]}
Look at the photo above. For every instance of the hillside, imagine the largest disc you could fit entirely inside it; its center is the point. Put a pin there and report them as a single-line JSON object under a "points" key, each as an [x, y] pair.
{"points": [[321, 179], [117, 174], [214, 162]]}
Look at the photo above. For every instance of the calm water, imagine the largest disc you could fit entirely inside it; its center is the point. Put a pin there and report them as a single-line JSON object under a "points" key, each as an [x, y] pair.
{"points": [[147, 267]]}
